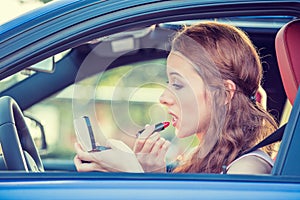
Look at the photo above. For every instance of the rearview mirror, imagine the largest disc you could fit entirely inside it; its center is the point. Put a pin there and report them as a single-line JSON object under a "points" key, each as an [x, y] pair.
{"points": [[47, 65]]}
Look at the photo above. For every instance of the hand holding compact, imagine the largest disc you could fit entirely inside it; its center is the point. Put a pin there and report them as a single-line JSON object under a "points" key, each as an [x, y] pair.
{"points": [[119, 158]]}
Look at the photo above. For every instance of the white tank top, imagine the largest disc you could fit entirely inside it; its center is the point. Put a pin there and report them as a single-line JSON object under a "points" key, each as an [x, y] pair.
{"points": [[257, 153]]}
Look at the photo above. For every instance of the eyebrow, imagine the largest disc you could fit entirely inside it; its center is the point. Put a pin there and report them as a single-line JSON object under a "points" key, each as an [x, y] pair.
{"points": [[176, 73]]}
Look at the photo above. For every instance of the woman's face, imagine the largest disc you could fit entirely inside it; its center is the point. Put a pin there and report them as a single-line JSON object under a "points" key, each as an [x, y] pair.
{"points": [[186, 97]]}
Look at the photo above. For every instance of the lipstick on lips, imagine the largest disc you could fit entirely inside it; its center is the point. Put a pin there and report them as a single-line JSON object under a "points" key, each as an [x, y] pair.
{"points": [[158, 127]]}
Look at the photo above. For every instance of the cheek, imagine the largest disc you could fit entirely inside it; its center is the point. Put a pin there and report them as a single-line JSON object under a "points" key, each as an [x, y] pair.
{"points": [[196, 111], [204, 113], [189, 116]]}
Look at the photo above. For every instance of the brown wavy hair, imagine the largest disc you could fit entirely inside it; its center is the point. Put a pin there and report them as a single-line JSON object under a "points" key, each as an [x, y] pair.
{"points": [[222, 52]]}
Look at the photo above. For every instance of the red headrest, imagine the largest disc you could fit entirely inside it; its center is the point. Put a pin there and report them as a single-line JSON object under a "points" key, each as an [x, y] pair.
{"points": [[287, 46]]}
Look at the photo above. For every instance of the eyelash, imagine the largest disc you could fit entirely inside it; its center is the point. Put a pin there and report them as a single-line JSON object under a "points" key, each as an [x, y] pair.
{"points": [[176, 86]]}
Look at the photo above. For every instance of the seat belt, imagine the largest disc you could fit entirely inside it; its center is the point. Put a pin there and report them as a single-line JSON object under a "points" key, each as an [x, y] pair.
{"points": [[274, 137]]}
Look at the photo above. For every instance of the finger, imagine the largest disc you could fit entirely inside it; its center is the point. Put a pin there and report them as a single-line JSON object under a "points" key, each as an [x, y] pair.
{"points": [[150, 142], [163, 151], [82, 155], [79, 165], [87, 167], [158, 145], [149, 129], [139, 143], [165, 146], [77, 162], [117, 161]]}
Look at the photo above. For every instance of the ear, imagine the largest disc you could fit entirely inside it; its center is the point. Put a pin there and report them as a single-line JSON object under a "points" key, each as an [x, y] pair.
{"points": [[261, 97], [230, 87]]}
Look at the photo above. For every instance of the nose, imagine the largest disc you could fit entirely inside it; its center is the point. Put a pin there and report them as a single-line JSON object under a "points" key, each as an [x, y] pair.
{"points": [[166, 98]]}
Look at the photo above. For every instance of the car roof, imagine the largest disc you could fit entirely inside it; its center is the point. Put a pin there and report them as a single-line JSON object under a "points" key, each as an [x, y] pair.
{"points": [[60, 7], [45, 22]]}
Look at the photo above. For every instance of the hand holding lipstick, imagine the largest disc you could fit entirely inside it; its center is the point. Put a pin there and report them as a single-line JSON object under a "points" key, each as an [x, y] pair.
{"points": [[157, 128], [151, 149]]}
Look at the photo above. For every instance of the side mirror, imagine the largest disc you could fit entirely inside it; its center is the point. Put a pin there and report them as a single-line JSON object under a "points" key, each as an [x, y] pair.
{"points": [[37, 131]]}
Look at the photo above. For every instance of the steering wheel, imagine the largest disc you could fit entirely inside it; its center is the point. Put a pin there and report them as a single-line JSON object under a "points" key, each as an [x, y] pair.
{"points": [[18, 149]]}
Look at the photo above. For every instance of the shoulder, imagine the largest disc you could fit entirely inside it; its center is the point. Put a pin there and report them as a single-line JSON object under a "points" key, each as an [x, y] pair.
{"points": [[256, 162]]}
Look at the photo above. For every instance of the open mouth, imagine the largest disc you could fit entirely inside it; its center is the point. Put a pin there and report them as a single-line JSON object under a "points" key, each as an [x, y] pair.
{"points": [[174, 119]]}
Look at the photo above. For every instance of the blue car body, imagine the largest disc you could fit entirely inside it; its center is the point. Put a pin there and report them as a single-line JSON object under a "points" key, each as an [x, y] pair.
{"points": [[61, 25]]}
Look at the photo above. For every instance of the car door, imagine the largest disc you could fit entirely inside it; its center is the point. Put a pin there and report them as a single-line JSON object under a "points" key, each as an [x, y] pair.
{"points": [[71, 25]]}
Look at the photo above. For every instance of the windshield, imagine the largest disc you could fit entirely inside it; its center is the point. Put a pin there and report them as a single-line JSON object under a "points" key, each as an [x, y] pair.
{"points": [[12, 80], [45, 66]]}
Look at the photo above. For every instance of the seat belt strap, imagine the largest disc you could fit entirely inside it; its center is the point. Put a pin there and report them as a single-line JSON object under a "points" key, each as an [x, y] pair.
{"points": [[274, 137]]}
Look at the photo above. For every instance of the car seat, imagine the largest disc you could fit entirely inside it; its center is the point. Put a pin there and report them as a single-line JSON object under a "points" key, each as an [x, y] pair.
{"points": [[287, 45]]}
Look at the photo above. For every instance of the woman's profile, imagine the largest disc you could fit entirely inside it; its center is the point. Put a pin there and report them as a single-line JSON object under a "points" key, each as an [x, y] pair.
{"points": [[214, 75]]}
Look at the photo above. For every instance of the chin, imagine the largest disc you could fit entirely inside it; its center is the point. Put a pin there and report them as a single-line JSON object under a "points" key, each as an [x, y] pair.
{"points": [[182, 134], [178, 133]]}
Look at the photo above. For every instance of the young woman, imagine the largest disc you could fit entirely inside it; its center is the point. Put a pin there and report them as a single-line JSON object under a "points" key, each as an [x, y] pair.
{"points": [[214, 75]]}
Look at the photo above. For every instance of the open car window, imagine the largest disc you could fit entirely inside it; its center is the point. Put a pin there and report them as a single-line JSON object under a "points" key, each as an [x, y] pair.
{"points": [[121, 92], [125, 99]]}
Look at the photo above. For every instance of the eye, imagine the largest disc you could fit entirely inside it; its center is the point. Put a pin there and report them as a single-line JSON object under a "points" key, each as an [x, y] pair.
{"points": [[175, 85]]}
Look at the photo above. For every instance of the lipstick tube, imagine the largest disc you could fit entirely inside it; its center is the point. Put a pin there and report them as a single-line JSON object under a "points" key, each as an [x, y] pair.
{"points": [[158, 127]]}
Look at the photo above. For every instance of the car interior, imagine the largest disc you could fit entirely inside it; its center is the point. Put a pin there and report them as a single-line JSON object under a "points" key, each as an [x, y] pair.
{"points": [[129, 50], [287, 44]]}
